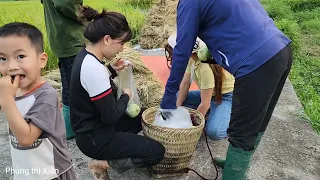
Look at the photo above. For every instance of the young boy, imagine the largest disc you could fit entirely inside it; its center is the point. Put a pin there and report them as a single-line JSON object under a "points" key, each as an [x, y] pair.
{"points": [[36, 127]]}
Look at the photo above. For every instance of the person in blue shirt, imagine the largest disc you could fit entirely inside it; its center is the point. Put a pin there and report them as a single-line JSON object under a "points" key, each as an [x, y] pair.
{"points": [[245, 41]]}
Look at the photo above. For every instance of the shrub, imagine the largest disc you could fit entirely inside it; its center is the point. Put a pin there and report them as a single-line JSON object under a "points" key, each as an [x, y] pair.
{"points": [[292, 29], [144, 4], [277, 10], [307, 15], [301, 5]]}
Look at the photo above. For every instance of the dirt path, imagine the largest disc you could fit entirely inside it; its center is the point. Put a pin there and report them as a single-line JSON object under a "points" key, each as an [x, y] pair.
{"points": [[290, 150]]}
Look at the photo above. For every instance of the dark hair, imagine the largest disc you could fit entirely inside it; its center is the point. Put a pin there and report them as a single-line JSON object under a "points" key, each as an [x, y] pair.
{"points": [[216, 69], [21, 29], [218, 80], [168, 50], [113, 24]]}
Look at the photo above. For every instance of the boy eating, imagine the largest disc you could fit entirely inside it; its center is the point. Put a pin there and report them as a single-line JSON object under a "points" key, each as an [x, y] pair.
{"points": [[36, 127]]}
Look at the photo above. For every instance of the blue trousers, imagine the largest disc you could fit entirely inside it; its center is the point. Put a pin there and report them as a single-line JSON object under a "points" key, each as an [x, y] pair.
{"points": [[218, 118]]}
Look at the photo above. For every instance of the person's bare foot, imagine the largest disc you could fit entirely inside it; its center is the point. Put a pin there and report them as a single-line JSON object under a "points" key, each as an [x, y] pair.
{"points": [[98, 169]]}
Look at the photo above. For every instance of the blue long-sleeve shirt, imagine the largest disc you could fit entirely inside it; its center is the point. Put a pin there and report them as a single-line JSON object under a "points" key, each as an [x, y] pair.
{"points": [[239, 34]]}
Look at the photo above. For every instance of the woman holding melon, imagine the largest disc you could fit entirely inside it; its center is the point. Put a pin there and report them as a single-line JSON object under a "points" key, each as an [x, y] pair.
{"points": [[214, 97], [106, 130]]}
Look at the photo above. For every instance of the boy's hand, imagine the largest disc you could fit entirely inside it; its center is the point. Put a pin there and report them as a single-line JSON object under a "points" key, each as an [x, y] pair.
{"points": [[8, 88]]}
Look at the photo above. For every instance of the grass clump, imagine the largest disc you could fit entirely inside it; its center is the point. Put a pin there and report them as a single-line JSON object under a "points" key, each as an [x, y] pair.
{"points": [[32, 12], [300, 21]]}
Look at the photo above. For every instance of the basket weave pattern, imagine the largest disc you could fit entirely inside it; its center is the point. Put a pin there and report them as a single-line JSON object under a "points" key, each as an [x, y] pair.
{"points": [[180, 144]]}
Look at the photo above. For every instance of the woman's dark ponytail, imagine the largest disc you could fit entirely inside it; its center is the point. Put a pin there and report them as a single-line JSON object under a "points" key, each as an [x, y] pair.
{"points": [[91, 14], [88, 13], [218, 81], [113, 24]]}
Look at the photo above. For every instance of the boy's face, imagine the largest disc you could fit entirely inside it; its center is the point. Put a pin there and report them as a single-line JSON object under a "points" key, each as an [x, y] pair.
{"points": [[19, 57]]}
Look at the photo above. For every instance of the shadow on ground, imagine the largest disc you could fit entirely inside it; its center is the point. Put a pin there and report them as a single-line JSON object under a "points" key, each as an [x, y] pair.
{"points": [[290, 150]]}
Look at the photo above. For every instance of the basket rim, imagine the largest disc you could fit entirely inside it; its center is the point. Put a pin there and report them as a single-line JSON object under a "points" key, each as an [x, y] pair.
{"points": [[154, 108]]}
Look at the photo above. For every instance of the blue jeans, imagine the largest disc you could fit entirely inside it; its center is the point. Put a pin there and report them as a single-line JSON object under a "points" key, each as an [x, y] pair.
{"points": [[218, 118]]}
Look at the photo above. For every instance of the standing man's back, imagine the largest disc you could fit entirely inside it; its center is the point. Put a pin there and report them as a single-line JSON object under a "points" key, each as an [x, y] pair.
{"points": [[66, 39]]}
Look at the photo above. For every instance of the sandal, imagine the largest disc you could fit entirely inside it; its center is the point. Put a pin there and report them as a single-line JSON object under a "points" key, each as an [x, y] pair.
{"points": [[98, 169]]}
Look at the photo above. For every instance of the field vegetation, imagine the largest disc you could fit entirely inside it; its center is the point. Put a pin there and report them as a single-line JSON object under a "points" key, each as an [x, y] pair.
{"points": [[299, 19]]}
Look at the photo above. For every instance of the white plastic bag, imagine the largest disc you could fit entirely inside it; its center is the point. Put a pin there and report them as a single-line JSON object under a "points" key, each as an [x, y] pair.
{"points": [[179, 118], [126, 80]]}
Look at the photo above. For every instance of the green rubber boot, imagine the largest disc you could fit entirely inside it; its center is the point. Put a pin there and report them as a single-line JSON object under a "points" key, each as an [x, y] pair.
{"points": [[66, 115], [237, 164], [220, 162]]}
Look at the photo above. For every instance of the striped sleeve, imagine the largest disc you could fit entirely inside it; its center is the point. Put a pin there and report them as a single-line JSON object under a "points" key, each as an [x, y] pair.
{"points": [[95, 78], [103, 94]]}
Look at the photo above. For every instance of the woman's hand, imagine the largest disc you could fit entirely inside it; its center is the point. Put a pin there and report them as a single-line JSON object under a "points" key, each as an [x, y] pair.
{"points": [[119, 64], [127, 91]]}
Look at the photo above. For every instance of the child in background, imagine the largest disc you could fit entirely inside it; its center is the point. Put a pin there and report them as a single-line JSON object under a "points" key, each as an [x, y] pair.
{"points": [[216, 86], [36, 127]]}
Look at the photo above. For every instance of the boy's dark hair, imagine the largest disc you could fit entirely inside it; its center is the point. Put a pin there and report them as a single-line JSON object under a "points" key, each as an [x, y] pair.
{"points": [[113, 24], [21, 29]]}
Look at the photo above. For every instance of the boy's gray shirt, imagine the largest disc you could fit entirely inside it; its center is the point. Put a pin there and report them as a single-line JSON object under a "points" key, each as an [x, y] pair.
{"points": [[48, 156]]}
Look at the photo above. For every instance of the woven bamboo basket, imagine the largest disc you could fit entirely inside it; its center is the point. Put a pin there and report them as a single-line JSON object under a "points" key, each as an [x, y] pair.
{"points": [[180, 144]]}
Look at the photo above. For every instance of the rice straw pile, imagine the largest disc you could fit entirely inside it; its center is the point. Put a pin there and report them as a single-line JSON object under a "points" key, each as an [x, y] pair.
{"points": [[54, 79], [149, 88], [160, 24]]}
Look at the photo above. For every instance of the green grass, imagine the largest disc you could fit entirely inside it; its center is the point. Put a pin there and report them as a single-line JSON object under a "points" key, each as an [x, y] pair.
{"points": [[32, 12], [144, 4], [300, 20]]}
